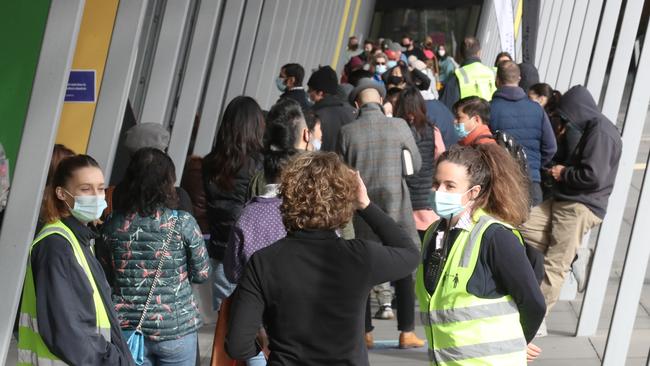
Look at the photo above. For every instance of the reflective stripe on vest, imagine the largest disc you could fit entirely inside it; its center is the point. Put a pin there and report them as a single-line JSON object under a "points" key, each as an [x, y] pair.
{"points": [[32, 348], [476, 79], [463, 329]]}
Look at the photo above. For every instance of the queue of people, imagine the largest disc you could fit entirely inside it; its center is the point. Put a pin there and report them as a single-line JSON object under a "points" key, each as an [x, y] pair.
{"points": [[475, 204]]}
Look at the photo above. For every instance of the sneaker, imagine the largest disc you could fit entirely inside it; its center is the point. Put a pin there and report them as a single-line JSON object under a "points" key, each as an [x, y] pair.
{"points": [[410, 340], [579, 267], [542, 332], [385, 312]]}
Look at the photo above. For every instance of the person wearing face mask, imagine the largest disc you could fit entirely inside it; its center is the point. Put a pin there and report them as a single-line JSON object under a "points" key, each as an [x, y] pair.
{"points": [[66, 313], [446, 63], [289, 82], [379, 66], [409, 48], [472, 113], [475, 283]]}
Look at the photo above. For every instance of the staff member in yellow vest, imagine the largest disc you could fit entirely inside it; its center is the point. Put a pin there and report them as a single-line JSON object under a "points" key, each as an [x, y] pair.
{"points": [[472, 78], [66, 313], [479, 299]]}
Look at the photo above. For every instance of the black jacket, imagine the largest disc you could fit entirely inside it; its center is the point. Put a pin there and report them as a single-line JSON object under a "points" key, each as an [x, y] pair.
{"points": [[420, 183], [299, 95], [451, 92], [310, 290], [333, 113], [65, 308], [504, 267], [224, 206], [591, 170]]}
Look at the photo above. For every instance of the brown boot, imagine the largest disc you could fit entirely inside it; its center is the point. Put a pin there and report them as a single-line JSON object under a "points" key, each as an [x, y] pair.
{"points": [[370, 341], [410, 340]]}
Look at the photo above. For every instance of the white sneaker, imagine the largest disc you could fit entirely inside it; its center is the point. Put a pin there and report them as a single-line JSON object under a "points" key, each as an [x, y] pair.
{"points": [[542, 332], [385, 312], [579, 267]]}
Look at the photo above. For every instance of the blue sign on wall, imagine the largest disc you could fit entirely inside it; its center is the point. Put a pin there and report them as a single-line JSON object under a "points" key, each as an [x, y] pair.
{"points": [[81, 86]]}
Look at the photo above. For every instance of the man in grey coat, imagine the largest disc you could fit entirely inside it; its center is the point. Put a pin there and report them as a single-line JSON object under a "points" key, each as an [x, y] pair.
{"points": [[376, 145]]}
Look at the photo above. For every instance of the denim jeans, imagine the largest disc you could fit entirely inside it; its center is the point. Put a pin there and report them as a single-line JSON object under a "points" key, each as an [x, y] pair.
{"points": [[221, 287], [258, 360], [176, 352]]}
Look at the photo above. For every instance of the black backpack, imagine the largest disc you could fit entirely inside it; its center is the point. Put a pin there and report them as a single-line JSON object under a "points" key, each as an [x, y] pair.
{"points": [[515, 150]]}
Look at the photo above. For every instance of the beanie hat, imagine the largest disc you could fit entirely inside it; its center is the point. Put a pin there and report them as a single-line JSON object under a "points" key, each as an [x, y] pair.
{"points": [[324, 79], [148, 134]]}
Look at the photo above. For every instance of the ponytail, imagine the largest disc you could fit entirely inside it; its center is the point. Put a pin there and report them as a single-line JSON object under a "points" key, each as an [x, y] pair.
{"points": [[504, 186]]}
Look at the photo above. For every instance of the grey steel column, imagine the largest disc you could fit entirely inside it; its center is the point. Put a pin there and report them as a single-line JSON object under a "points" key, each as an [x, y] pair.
{"points": [[244, 49], [638, 252], [332, 34], [317, 32], [586, 44], [564, 65], [118, 75], [561, 35], [303, 33], [33, 161], [165, 61], [550, 38], [622, 56], [277, 57], [544, 21], [219, 71], [292, 29], [263, 46], [600, 56], [610, 228], [195, 75]]}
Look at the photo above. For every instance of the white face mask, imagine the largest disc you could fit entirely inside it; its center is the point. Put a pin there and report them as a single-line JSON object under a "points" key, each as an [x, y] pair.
{"points": [[316, 143], [442, 53], [87, 208], [380, 69]]}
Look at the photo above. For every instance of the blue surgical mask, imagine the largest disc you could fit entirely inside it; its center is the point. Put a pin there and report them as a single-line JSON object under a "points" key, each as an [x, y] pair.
{"points": [[279, 82], [460, 130], [447, 204], [391, 64], [380, 69], [87, 208]]}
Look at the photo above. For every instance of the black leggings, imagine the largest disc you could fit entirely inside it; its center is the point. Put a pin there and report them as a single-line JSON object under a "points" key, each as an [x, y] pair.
{"points": [[405, 298]]}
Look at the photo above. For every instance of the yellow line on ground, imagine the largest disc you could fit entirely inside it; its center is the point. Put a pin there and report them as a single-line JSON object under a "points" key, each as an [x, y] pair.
{"points": [[339, 39], [353, 27]]}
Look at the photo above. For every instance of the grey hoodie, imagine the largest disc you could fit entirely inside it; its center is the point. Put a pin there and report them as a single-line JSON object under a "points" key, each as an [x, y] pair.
{"points": [[591, 169]]}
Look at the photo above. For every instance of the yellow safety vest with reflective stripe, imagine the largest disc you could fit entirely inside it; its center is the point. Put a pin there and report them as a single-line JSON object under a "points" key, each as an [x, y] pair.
{"points": [[476, 79], [31, 348], [463, 329]]}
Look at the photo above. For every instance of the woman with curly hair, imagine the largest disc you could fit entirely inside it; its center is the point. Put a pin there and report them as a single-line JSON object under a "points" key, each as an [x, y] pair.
{"points": [[145, 231], [311, 287]]}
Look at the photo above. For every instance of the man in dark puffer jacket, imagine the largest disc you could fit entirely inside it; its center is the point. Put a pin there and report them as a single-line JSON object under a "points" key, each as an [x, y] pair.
{"points": [[582, 191]]}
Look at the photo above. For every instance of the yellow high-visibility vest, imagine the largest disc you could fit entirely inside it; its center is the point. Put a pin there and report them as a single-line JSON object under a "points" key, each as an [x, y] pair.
{"points": [[476, 79]]}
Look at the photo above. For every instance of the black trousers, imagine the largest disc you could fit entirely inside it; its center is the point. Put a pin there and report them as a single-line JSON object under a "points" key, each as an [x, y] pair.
{"points": [[405, 299]]}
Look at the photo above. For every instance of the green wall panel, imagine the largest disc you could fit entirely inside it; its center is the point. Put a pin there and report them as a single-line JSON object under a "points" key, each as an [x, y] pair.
{"points": [[22, 25]]}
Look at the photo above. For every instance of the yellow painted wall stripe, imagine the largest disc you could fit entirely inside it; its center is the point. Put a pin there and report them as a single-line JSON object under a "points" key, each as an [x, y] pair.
{"points": [[355, 17], [339, 39], [518, 15], [91, 52]]}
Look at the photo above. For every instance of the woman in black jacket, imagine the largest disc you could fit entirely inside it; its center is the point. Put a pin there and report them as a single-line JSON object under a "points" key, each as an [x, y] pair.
{"points": [[311, 287], [227, 172]]}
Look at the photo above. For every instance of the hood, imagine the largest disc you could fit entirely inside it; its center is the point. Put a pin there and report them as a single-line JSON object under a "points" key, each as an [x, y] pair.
{"points": [[513, 93], [328, 101], [579, 107]]}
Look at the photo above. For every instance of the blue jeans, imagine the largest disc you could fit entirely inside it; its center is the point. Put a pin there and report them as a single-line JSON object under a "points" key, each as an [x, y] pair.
{"points": [[221, 287], [258, 360], [176, 352]]}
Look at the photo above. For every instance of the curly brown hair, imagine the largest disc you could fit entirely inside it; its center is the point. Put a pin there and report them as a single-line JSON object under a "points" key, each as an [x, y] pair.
{"points": [[318, 191]]}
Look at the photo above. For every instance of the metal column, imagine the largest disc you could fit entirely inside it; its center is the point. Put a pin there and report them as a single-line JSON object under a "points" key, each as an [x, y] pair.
{"points": [[219, 71], [550, 38], [165, 61], [544, 21], [586, 44], [561, 35], [33, 161], [244, 50], [304, 28], [638, 252], [564, 65], [193, 81], [116, 84], [600, 56]]}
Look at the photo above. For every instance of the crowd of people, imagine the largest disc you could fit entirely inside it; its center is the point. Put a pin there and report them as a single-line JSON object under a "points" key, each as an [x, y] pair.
{"points": [[466, 186]]}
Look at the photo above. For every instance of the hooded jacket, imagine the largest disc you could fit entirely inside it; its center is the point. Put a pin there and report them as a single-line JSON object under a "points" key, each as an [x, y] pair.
{"points": [[591, 169], [333, 114], [512, 112]]}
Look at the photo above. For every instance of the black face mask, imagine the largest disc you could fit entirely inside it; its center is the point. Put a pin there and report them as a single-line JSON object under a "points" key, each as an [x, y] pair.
{"points": [[406, 45], [395, 80]]}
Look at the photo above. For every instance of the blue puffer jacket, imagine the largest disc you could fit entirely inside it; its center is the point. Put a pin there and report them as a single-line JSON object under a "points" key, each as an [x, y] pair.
{"points": [[133, 244], [512, 112]]}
